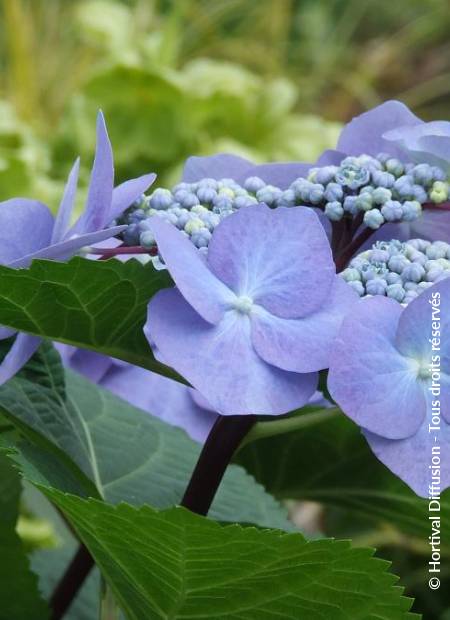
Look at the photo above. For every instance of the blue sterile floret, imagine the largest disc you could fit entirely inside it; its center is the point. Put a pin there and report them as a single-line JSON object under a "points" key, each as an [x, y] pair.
{"points": [[400, 270]]}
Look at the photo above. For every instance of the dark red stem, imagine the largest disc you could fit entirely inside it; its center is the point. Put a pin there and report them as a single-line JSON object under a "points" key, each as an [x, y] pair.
{"points": [[71, 582], [344, 257]]}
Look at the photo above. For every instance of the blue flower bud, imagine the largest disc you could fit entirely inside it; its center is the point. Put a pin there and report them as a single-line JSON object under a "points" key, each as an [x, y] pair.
{"points": [[373, 219], [392, 211], [334, 211], [161, 199], [352, 175], [398, 263], [376, 286], [325, 175], [395, 291], [395, 167], [357, 286], [411, 210], [414, 272], [350, 205], [422, 174], [383, 179], [206, 195], [253, 184], [350, 274], [146, 239], [333, 193], [381, 195]]}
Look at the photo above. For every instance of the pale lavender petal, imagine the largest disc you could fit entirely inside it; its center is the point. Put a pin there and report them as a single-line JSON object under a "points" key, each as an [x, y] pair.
{"points": [[21, 351], [364, 134], [161, 397], [98, 205], [410, 458], [126, 193], [280, 258], [5, 332], [25, 227], [62, 221], [305, 344], [424, 332], [217, 167], [330, 157], [206, 293], [220, 360], [373, 383], [91, 364], [426, 142], [281, 175], [66, 249]]}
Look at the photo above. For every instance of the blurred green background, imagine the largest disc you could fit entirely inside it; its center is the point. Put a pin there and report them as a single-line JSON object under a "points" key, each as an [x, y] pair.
{"points": [[268, 79]]}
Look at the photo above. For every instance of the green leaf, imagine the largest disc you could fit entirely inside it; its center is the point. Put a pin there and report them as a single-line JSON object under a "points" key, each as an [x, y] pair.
{"points": [[175, 564], [128, 454], [99, 305], [331, 463], [19, 597]]}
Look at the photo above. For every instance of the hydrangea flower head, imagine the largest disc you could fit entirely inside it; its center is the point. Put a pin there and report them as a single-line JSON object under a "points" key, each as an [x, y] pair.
{"points": [[28, 230], [251, 324], [381, 373]]}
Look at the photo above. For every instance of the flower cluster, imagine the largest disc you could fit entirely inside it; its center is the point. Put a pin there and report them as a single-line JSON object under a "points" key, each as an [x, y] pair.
{"points": [[382, 371], [400, 270], [381, 188]]}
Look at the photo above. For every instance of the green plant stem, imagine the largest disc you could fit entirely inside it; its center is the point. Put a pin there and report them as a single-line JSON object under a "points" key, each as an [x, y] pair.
{"points": [[263, 430], [109, 609]]}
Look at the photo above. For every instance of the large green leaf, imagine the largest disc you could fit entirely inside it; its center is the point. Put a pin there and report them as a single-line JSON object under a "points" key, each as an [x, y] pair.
{"points": [[19, 597], [128, 454], [175, 564], [100, 305], [331, 463]]}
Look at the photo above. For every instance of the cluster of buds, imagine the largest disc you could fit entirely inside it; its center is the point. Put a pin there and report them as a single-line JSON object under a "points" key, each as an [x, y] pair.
{"points": [[381, 188], [398, 270]]}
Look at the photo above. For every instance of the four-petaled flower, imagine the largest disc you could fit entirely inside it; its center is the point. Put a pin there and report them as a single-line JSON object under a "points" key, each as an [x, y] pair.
{"points": [[381, 371], [251, 325], [28, 229]]}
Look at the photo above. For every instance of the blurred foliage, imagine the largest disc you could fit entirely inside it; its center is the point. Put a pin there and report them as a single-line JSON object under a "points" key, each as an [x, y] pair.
{"points": [[188, 77]]}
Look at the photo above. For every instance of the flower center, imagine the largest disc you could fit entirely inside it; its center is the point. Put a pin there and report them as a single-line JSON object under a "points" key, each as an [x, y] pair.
{"points": [[243, 304]]}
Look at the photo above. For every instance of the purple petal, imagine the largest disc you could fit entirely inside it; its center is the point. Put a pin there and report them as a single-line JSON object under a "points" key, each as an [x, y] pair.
{"points": [[161, 397], [23, 348], [25, 227], [279, 174], [373, 383], [98, 205], [419, 324], [364, 134], [126, 193], [217, 167], [5, 332], [220, 360], [208, 295], [410, 458], [90, 364], [66, 249], [281, 258], [330, 157], [427, 142], [303, 345], [66, 207]]}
